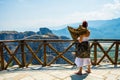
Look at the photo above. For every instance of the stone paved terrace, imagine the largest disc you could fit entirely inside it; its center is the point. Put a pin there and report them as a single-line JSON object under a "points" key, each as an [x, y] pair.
{"points": [[61, 72]]}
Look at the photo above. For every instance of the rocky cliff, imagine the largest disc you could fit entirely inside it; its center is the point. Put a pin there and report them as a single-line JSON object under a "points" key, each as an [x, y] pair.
{"points": [[43, 33]]}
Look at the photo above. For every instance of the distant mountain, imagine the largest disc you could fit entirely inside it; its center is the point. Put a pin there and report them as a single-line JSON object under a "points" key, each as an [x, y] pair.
{"points": [[107, 29], [43, 33]]}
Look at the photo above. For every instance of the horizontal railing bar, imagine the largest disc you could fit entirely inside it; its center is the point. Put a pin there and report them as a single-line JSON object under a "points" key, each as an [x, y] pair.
{"points": [[104, 39], [57, 40]]}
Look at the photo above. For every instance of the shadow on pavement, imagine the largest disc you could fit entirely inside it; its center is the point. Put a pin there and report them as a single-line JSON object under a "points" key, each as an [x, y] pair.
{"points": [[78, 77]]}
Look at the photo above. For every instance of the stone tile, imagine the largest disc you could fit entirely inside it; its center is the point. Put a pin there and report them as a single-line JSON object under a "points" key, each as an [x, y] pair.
{"points": [[118, 78], [20, 76], [70, 72], [96, 76], [42, 76], [68, 78], [1, 78], [9, 75], [110, 77], [27, 78], [100, 72], [59, 72], [57, 79], [115, 71], [8, 78], [93, 78]]}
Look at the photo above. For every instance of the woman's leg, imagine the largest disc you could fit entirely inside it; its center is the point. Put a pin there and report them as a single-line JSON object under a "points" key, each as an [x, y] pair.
{"points": [[80, 71], [88, 69]]}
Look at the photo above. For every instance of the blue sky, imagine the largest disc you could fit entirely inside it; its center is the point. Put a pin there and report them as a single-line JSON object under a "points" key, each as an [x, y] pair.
{"points": [[22, 15]]}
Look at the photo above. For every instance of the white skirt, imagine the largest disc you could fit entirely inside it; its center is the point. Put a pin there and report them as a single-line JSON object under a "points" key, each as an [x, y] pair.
{"points": [[80, 62]]}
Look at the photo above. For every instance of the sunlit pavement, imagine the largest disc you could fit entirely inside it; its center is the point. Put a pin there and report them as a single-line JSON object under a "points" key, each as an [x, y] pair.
{"points": [[61, 72]]}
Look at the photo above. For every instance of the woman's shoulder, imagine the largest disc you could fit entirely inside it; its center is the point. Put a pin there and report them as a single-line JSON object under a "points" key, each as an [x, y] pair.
{"points": [[87, 33]]}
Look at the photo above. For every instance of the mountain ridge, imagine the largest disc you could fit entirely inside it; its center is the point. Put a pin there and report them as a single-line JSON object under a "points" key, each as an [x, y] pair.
{"points": [[99, 29]]}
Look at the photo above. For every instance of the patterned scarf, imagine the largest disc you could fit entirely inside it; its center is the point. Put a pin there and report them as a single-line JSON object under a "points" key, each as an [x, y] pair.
{"points": [[75, 33]]}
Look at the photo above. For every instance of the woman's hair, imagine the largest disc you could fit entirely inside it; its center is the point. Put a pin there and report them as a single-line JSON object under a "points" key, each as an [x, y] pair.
{"points": [[85, 24]]}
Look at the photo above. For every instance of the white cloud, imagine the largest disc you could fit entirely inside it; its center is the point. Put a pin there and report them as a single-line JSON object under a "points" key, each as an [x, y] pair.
{"points": [[117, 1], [113, 8], [108, 11]]}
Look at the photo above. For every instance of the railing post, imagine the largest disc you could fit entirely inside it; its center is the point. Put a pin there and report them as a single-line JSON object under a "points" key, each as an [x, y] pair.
{"points": [[1, 57], [95, 53], [45, 57], [23, 54], [116, 52]]}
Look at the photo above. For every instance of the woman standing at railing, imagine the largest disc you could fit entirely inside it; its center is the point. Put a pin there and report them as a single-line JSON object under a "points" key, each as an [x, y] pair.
{"points": [[83, 50]]}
